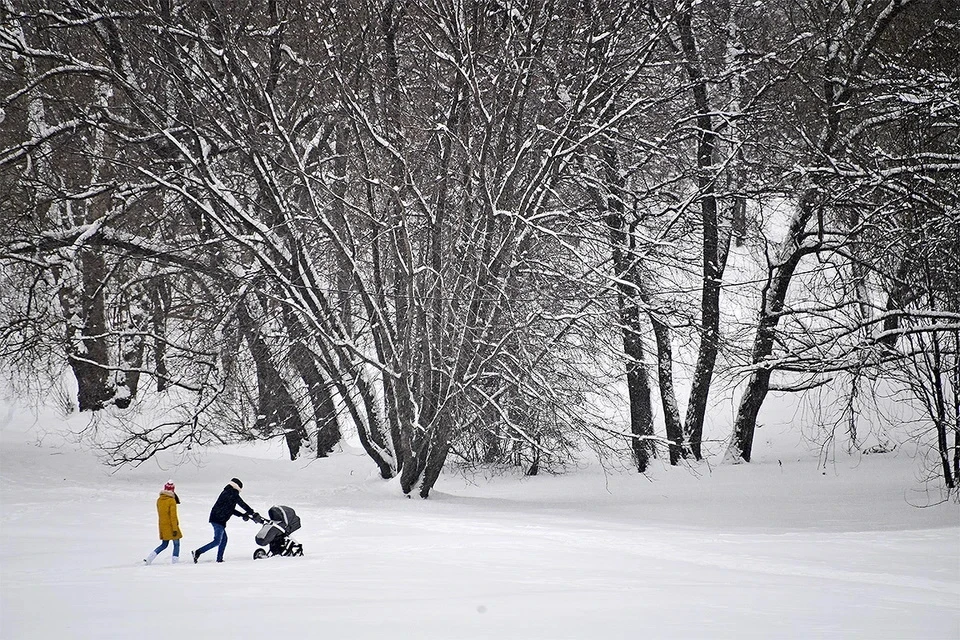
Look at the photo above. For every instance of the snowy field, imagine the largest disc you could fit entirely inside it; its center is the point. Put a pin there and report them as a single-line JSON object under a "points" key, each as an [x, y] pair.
{"points": [[781, 548]]}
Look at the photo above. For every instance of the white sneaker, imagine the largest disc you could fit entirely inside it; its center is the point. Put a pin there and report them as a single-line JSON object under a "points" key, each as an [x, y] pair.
{"points": [[149, 558], [176, 559]]}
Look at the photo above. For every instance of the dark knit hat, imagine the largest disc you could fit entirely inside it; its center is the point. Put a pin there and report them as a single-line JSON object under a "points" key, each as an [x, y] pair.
{"points": [[237, 482]]}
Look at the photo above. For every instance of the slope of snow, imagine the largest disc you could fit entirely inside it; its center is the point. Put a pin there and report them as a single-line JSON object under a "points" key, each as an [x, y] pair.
{"points": [[777, 549]]}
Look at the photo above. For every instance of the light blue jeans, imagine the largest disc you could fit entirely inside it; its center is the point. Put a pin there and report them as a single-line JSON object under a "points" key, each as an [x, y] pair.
{"points": [[219, 539], [163, 545]]}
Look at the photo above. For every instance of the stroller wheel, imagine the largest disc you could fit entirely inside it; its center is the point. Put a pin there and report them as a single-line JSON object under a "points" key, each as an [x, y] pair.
{"points": [[259, 553]]}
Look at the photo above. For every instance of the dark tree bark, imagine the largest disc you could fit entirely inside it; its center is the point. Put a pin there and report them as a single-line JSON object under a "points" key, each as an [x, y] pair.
{"points": [[328, 430], [955, 383], [625, 273], [276, 410], [160, 300], [775, 290], [849, 43], [668, 398], [638, 385], [629, 288], [438, 448], [939, 410], [711, 254], [897, 298], [343, 267], [324, 408]]}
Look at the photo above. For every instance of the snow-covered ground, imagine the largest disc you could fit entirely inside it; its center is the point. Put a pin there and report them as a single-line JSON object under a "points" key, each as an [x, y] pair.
{"points": [[782, 548]]}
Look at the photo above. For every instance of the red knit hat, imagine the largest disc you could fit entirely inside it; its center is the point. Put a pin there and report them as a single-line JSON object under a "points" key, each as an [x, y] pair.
{"points": [[169, 486]]}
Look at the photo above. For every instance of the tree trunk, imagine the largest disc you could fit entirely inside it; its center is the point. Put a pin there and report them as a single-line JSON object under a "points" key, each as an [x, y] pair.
{"points": [[131, 344], [159, 291], [81, 298], [759, 382], [416, 451], [772, 301], [838, 87], [338, 219], [627, 277], [668, 397], [276, 410], [955, 385], [638, 387], [436, 457], [712, 262], [896, 300], [324, 408], [940, 410]]}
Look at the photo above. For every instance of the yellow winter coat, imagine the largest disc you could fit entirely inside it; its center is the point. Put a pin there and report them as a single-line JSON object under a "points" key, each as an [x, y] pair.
{"points": [[167, 510]]}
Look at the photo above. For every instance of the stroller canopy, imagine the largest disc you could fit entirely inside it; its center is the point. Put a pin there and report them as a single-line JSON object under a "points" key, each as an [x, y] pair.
{"points": [[286, 517]]}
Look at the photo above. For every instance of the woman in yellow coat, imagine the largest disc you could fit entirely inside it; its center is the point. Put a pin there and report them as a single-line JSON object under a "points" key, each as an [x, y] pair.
{"points": [[169, 523]]}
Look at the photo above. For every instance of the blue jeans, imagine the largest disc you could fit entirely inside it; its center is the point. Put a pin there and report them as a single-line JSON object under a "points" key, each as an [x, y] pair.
{"points": [[163, 545], [219, 538]]}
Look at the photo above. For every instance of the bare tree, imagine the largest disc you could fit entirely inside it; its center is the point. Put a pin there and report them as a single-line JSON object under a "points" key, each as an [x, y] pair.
{"points": [[423, 221], [843, 70]]}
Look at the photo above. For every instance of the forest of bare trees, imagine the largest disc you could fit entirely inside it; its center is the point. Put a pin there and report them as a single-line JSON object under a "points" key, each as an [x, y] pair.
{"points": [[463, 230]]}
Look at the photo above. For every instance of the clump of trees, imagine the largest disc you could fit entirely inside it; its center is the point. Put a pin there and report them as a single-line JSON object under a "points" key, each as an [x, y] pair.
{"points": [[449, 226]]}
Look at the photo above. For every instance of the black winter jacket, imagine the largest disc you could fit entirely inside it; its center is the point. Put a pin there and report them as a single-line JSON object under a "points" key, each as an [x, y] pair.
{"points": [[226, 506]]}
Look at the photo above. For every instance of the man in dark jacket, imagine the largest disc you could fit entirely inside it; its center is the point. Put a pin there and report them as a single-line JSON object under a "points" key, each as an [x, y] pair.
{"points": [[223, 508]]}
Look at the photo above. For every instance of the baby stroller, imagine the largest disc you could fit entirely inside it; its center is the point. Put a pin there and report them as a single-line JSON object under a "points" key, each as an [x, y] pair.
{"points": [[275, 532]]}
